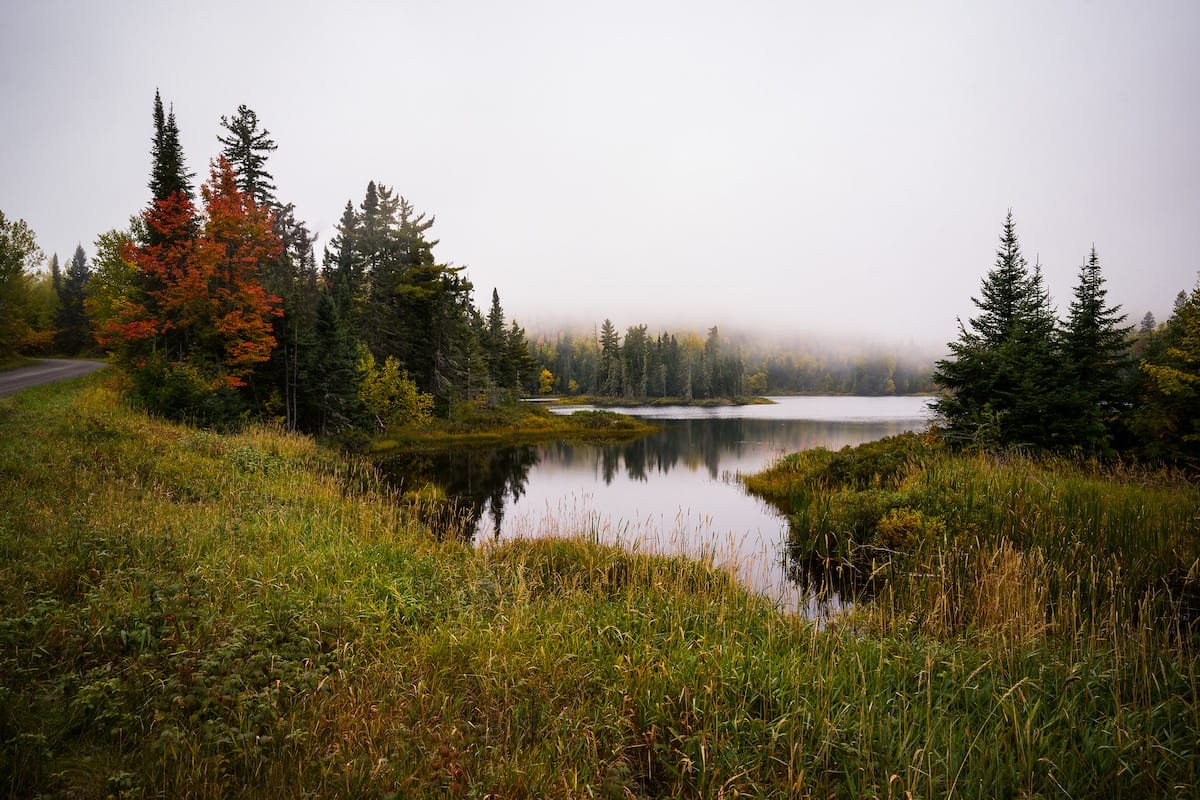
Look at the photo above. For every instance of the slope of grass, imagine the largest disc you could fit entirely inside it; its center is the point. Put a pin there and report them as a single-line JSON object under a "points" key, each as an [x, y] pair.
{"points": [[185, 614]]}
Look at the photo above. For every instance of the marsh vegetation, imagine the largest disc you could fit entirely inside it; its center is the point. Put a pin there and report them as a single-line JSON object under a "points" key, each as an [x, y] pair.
{"points": [[204, 615]]}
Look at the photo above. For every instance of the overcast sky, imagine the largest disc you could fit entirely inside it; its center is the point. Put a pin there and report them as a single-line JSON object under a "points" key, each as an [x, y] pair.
{"points": [[832, 168]]}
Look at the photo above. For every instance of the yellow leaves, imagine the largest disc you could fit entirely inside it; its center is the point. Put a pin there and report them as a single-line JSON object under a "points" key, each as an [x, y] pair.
{"points": [[391, 396], [1170, 381]]}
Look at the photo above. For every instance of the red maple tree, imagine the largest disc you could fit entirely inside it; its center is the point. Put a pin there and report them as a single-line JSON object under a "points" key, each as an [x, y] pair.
{"points": [[200, 299]]}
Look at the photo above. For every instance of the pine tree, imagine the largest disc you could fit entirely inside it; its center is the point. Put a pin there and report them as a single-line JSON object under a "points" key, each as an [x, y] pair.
{"points": [[343, 270], [635, 375], [998, 380], [74, 329], [494, 343], [247, 149], [609, 373], [56, 279], [168, 175], [293, 278], [1095, 349], [1148, 324], [1040, 413], [522, 366]]}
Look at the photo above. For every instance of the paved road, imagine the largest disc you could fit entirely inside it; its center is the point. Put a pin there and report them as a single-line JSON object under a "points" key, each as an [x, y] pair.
{"points": [[45, 371]]}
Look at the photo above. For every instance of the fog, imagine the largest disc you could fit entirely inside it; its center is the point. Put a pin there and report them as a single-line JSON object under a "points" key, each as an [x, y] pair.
{"points": [[814, 170]]}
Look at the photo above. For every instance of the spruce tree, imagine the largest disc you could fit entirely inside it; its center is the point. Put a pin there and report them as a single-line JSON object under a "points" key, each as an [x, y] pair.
{"points": [[1040, 413], [56, 280], [335, 378], [343, 270], [168, 174], [494, 342], [520, 360], [1095, 352], [247, 149], [998, 380], [609, 374], [74, 330]]}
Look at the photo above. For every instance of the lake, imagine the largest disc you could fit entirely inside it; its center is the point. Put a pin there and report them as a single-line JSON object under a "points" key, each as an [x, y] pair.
{"points": [[674, 491]]}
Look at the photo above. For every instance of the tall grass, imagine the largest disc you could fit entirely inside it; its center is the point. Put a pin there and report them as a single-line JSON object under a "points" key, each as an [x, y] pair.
{"points": [[1089, 544], [191, 615]]}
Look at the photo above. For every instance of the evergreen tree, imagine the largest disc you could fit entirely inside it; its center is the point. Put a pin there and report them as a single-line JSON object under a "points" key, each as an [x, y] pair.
{"points": [[74, 329], [1167, 420], [495, 343], [522, 367], [998, 380], [635, 374], [293, 278], [1040, 414], [1095, 351], [168, 175], [56, 279], [334, 379], [343, 269], [609, 373], [246, 149]]}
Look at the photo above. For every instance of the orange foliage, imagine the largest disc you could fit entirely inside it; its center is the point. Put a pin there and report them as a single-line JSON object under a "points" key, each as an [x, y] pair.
{"points": [[202, 297]]}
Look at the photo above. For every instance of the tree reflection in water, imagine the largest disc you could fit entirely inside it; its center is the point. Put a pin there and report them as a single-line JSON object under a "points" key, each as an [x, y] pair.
{"points": [[672, 491], [473, 479]]}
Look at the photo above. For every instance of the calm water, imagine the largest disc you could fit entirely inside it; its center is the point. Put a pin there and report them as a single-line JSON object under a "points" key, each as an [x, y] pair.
{"points": [[675, 491]]}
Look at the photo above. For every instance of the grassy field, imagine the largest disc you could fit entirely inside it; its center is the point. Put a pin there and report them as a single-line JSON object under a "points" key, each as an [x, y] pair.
{"points": [[185, 614]]}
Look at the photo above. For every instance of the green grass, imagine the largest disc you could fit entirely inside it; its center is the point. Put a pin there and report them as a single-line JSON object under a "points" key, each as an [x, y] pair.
{"points": [[907, 513], [186, 614], [16, 362]]}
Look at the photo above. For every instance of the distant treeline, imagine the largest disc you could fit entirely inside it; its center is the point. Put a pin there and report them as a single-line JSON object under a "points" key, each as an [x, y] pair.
{"points": [[691, 367]]}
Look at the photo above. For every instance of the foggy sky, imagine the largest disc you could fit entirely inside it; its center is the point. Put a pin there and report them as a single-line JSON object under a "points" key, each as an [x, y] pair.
{"points": [[811, 167]]}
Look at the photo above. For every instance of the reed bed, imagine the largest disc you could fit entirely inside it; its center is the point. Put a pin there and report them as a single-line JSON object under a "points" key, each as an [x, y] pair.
{"points": [[188, 614]]}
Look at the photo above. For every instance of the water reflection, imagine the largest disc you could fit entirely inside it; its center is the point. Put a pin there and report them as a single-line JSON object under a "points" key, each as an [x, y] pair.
{"points": [[674, 491], [473, 479]]}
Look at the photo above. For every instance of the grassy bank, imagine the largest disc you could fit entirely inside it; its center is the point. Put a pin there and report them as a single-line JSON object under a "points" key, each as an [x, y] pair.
{"points": [[935, 527], [191, 615], [16, 362]]}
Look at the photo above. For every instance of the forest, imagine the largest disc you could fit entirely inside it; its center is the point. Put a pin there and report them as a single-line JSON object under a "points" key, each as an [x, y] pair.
{"points": [[686, 367], [215, 303]]}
